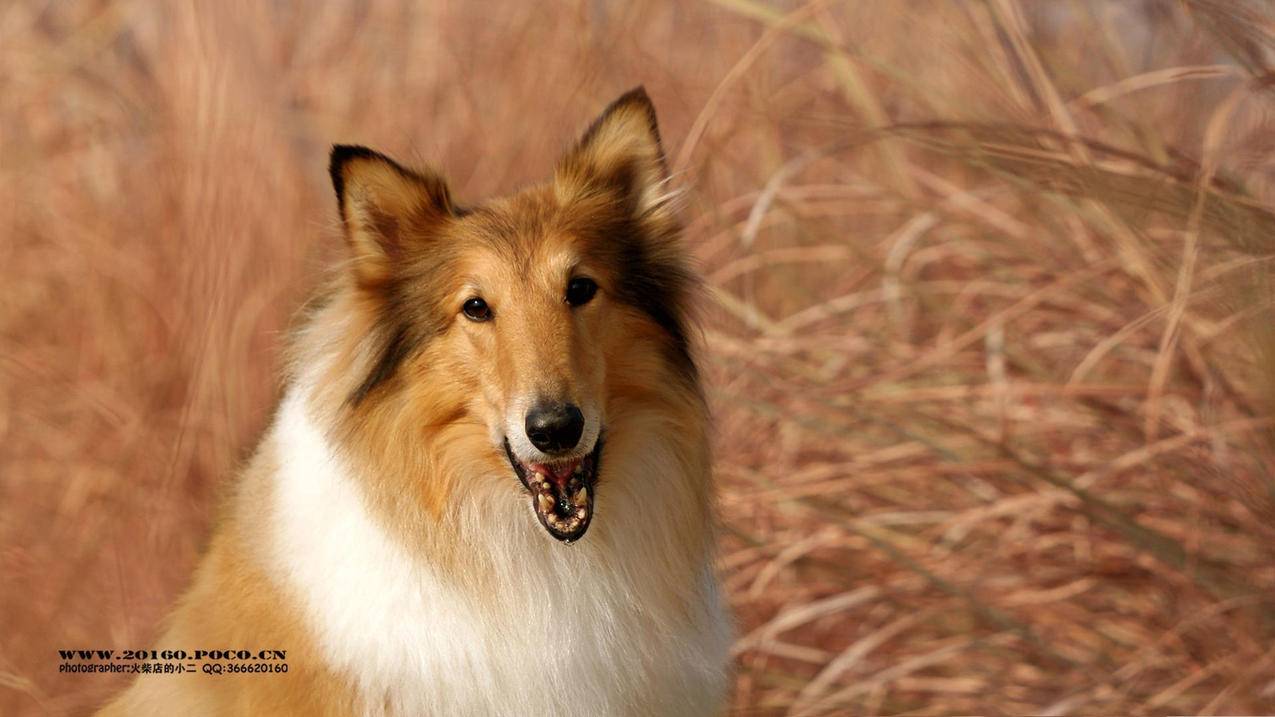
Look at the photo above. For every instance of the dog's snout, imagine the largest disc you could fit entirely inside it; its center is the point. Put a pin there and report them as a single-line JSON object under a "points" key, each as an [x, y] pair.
{"points": [[555, 427]]}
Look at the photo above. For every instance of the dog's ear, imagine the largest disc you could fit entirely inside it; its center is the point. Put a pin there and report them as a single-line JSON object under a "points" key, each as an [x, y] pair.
{"points": [[384, 207], [620, 156]]}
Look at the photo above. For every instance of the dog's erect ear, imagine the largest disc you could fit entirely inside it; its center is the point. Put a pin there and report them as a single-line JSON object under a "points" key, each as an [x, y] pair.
{"points": [[620, 155], [384, 207]]}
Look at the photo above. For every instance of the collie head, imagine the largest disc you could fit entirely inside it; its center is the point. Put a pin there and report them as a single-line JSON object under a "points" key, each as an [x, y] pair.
{"points": [[533, 349]]}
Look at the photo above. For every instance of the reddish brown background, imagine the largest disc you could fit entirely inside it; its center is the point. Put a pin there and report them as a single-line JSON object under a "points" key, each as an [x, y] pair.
{"points": [[986, 329]]}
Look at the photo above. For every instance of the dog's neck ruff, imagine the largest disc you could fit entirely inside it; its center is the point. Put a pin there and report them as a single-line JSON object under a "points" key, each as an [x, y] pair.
{"points": [[585, 629]]}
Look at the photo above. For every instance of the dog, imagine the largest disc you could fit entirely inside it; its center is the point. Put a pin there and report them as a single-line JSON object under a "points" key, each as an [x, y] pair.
{"points": [[487, 487]]}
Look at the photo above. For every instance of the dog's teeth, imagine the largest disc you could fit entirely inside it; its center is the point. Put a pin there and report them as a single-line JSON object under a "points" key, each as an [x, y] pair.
{"points": [[582, 512], [545, 503], [545, 485], [581, 498]]}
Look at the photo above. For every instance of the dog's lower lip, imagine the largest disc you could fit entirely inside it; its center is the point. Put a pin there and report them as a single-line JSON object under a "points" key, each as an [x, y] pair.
{"points": [[562, 493]]}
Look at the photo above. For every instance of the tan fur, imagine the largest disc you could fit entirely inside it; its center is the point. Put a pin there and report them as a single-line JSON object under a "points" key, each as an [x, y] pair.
{"points": [[423, 434], [233, 602]]}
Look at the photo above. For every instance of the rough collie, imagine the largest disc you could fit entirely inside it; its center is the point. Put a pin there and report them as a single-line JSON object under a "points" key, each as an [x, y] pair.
{"points": [[487, 488]]}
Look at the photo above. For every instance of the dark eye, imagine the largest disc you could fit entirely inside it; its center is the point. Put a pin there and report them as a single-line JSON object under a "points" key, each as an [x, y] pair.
{"points": [[580, 290], [476, 309]]}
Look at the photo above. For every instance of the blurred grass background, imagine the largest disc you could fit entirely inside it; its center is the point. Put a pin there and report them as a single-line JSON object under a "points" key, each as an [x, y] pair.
{"points": [[988, 338]]}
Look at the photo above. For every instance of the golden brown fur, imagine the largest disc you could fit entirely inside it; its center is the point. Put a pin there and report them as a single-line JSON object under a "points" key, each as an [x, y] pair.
{"points": [[232, 601], [416, 397]]}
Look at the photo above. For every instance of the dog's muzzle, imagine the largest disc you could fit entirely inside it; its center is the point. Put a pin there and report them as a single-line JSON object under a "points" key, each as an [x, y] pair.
{"points": [[562, 492]]}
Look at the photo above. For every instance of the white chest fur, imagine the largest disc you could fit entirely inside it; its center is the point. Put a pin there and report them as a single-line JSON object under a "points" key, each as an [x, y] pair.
{"points": [[573, 630]]}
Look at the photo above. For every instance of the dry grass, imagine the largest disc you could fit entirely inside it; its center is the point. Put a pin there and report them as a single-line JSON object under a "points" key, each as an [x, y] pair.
{"points": [[990, 337]]}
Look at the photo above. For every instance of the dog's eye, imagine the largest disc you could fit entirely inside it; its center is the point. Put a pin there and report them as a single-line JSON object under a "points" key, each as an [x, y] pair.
{"points": [[476, 309], [580, 290]]}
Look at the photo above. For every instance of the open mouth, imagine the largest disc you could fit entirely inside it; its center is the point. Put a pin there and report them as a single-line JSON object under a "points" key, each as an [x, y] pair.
{"points": [[561, 491]]}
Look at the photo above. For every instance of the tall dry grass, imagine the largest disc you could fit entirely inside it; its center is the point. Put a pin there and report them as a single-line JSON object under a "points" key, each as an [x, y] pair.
{"points": [[989, 342]]}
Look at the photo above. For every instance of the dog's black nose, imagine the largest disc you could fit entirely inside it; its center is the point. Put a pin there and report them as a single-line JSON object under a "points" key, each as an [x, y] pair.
{"points": [[555, 427]]}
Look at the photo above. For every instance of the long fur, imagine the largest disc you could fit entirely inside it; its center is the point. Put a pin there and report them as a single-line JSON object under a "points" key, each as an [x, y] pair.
{"points": [[379, 534]]}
